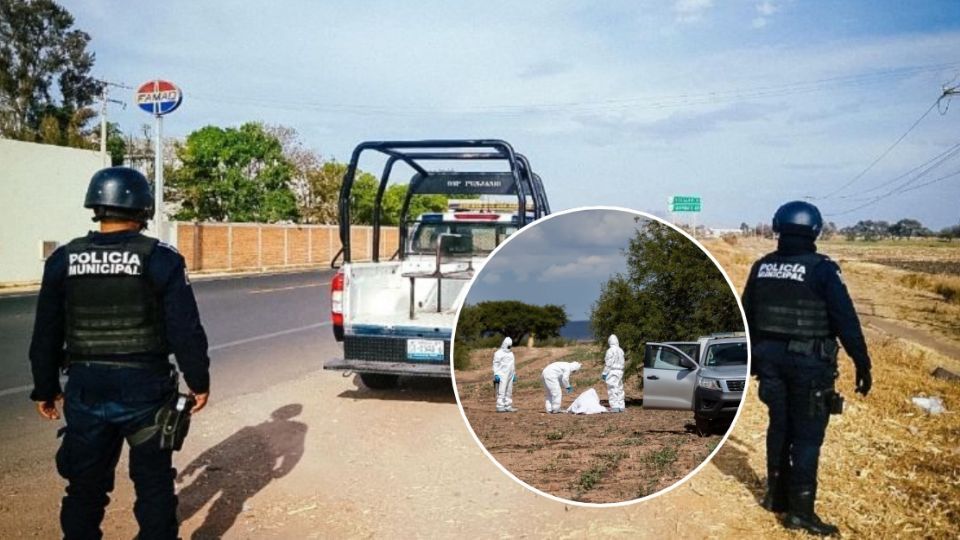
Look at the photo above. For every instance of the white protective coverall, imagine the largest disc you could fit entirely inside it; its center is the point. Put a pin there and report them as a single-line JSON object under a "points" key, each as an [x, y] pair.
{"points": [[503, 366], [555, 378], [613, 364]]}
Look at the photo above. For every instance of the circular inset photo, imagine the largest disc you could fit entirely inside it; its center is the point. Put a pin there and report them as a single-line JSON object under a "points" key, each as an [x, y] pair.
{"points": [[600, 356]]}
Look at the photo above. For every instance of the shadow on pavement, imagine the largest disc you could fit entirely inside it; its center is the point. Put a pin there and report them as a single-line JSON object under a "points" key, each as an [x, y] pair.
{"points": [[734, 462], [240, 466], [429, 389]]}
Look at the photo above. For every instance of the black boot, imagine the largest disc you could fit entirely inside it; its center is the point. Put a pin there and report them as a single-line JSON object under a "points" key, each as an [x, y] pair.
{"points": [[801, 515], [775, 499]]}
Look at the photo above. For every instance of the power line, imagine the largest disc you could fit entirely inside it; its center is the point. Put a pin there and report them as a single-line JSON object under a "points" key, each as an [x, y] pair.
{"points": [[879, 198], [883, 154], [934, 181], [587, 106], [908, 185], [939, 159]]}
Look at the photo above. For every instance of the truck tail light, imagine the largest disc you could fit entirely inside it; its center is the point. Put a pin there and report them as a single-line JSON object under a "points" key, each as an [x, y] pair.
{"points": [[336, 304]]}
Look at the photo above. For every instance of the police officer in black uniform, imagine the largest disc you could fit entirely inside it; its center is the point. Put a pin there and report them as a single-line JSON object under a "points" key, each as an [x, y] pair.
{"points": [[797, 306], [112, 306]]}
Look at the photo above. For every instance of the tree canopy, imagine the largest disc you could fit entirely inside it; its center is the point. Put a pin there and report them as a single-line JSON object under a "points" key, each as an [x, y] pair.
{"points": [[672, 291], [878, 230], [510, 318], [233, 174], [364, 193], [45, 82]]}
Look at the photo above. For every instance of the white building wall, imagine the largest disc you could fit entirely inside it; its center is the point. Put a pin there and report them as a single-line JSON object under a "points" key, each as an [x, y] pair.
{"points": [[41, 198]]}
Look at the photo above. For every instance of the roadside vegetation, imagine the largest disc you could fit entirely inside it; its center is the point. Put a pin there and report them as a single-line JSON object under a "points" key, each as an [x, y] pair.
{"points": [[485, 324], [947, 287]]}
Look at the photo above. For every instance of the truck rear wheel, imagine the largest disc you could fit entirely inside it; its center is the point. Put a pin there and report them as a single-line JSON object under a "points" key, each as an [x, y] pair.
{"points": [[379, 381]]}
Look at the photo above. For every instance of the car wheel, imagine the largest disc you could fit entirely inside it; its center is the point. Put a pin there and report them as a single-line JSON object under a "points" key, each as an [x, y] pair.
{"points": [[704, 426], [379, 381]]}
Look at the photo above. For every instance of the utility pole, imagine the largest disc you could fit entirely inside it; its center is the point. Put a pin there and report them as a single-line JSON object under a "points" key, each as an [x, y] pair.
{"points": [[104, 99]]}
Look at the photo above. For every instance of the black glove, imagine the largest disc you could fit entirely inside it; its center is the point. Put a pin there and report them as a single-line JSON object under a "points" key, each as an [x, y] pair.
{"points": [[864, 381]]}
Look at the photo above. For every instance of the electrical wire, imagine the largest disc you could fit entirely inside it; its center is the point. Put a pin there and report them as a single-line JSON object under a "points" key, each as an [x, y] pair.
{"points": [[604, 105], [879, 198], [937, 160], [883, 154]]}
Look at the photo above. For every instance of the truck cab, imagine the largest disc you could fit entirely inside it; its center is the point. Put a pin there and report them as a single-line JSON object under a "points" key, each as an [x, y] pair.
{"points": [[706, 376], [395, 317]]}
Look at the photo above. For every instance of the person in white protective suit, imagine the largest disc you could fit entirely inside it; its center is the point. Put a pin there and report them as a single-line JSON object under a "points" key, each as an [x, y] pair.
{"points": [[556, 377], [504, 375], [613, 364]]}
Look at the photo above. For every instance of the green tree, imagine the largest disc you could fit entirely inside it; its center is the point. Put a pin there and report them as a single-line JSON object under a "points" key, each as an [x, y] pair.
{"points": [[949, 233], [116, 144], [364, 193], [510, 318], [233, 174], [907, 228], [45, 82], [672, 291]]}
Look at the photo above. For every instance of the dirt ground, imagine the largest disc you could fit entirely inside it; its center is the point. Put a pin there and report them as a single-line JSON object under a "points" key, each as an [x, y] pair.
{"points": [[590, 458]]}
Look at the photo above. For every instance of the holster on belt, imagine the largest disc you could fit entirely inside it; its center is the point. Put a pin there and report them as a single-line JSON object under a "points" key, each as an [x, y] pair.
{"points": [[172, 422]]}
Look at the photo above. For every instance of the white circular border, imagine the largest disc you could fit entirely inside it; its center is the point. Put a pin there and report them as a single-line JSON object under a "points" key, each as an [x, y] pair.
{"points": [[671, 487]]}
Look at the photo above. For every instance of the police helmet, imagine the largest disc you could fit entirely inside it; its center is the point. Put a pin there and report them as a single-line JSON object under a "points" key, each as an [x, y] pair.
{"points": [[798, 217], [120, 192]]}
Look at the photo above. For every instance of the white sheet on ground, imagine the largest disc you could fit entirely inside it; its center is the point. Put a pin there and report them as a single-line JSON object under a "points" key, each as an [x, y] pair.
{"points": [[587, 403]]}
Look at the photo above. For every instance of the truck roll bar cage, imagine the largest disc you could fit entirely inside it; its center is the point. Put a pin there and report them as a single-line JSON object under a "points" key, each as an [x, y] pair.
{"points": [[415, 153]]}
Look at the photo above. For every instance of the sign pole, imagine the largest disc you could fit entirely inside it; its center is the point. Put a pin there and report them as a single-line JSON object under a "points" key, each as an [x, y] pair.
{"points": [[158, 181], [158, 97]]}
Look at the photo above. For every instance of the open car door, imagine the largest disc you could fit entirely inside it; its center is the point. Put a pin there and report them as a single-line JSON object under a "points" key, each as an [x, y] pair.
{"points": [[669, 377]]}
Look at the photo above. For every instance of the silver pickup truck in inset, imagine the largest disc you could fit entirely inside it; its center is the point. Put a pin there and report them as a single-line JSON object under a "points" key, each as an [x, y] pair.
{"points": [[707, 376]]}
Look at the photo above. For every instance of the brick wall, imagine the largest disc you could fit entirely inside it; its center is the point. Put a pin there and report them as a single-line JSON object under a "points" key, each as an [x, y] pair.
{"points": [[251, 246]]}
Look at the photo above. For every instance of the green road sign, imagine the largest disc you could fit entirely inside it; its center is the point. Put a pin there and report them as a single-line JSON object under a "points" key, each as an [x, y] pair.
{"points": [[683, 203]]}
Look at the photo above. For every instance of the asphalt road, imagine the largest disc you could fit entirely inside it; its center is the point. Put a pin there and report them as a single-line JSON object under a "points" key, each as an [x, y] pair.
{"points": [[262, 329]]}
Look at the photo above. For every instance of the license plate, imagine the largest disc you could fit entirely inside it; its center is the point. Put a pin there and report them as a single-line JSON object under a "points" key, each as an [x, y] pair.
{"points": [[424, 349]]}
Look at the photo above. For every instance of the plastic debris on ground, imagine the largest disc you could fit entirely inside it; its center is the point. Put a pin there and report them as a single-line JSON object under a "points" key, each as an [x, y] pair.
{"points": [[932, 405]]}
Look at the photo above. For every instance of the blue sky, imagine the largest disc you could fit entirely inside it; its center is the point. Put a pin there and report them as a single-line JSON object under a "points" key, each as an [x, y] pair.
{"points": [[745, 103], [562, 260]]}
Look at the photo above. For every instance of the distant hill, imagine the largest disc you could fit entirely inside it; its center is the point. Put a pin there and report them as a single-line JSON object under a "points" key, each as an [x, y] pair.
{"points": [[577, 330]]}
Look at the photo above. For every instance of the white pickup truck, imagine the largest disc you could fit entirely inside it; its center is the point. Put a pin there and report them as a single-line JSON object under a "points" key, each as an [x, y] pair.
{"points": [[396, 317]]}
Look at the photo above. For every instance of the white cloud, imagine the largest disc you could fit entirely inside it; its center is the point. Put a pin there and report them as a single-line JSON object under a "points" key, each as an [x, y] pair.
{"points": [[764, 10], [691, 11], [588, 267], [767, 8]]}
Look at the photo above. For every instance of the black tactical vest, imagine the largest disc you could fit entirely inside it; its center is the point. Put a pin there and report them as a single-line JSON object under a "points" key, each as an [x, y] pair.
{"points": [[111, 307], [784, 302]]}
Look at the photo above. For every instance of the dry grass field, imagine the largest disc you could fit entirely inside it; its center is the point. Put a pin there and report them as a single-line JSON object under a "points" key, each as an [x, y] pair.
{"points": [[888, 469]]}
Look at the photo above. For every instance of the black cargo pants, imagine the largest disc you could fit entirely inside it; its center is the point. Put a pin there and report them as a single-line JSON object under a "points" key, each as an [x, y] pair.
{"points": [[796, 388], [103, 405]]}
